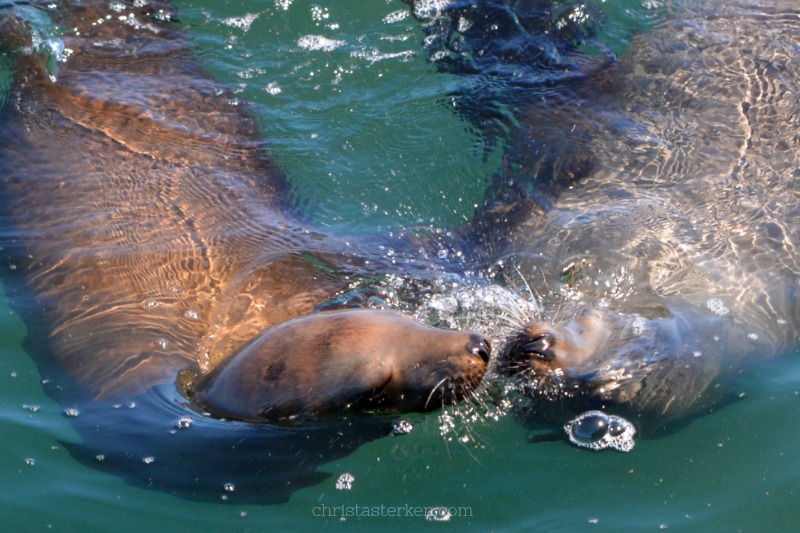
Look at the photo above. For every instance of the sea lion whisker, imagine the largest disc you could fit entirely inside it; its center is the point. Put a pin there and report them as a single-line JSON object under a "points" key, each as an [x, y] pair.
{"points": [[433, 390], [513, 320]]}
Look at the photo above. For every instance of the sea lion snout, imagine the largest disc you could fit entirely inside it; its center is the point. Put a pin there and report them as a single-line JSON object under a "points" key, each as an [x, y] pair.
{"points": [[543, 347]]}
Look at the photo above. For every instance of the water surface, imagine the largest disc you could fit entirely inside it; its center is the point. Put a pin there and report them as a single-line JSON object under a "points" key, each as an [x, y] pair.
{"points": [[332, 88]]}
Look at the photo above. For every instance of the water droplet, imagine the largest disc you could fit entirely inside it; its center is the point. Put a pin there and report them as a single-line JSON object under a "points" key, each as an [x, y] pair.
{"points": [[752, 336], [162, 343], [100, 457], [345, 481], [229, 487], [442, 254], [71, 412], [30, 461], [403, 427], [150, 303], [184, 422], [191, 314], [438, 514], [148, 460]]}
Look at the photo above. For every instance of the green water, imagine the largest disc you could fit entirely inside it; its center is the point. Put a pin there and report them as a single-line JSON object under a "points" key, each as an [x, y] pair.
{"points": [[364, 149]]}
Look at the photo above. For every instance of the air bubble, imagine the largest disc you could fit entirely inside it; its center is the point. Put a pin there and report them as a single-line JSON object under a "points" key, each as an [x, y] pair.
{"points": [[229, 487], [150, 303], [596, 430], [184, 422], [71, 412], [148, 460], [191, 314], [30, 461], [31, 408]]}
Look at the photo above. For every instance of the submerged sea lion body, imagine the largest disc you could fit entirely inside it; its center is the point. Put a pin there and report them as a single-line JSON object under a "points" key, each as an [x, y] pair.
{"points": [[153, 233], [672, 262], [152, 220]]}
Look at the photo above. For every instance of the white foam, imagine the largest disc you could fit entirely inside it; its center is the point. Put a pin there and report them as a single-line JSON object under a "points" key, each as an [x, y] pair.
{"points": [[318, 42], [242, 23]]}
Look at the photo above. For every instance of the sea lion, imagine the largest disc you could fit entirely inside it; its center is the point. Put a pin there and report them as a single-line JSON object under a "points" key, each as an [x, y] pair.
{"points": [[671, 262], [156, 239], [649, 204]]}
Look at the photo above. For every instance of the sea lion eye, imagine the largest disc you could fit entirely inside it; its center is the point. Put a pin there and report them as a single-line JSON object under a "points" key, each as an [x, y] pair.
{"points": [[540, 347]]}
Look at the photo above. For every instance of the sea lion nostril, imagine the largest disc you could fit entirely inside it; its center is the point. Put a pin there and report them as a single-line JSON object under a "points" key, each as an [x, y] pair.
{"points": [[540, 347], [480, 347]]}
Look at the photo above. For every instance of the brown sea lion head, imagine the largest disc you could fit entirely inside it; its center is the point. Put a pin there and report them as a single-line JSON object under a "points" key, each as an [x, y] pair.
{"points": [[345, 361]]}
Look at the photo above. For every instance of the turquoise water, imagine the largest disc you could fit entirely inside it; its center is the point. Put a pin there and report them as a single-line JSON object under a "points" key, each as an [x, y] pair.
{"points": [[361, 149]]}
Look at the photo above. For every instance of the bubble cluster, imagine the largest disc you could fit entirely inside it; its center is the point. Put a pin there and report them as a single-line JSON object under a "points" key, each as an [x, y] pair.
{"points": [[438, 514], [717, 306], [318, 42], [345, 481], [403, 427], [184, 422], [597, 430]]}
